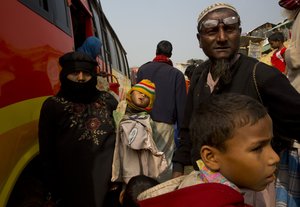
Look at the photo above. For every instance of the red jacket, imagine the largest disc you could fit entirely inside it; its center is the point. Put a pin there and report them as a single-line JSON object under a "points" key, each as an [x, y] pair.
{"points": [[201, 195], [277, 59]]}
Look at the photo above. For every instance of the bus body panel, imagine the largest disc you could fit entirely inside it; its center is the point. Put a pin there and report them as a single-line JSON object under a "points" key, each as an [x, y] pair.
{"points": [[28, 65], [29, 49]]}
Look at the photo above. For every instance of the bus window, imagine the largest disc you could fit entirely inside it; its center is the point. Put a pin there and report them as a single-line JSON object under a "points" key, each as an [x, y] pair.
{"points": [[114, 54], [40, 7], [55, 11], [61, 17], [121, 61], [97, 23], [107, 53], [126, 67], [79, 20]]}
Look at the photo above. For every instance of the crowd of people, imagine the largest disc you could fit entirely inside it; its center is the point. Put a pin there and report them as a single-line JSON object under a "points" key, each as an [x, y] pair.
{"points": [[238, 122]]}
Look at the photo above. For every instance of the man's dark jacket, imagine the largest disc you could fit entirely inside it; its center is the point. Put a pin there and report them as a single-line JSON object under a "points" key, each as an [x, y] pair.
{"points": [[170, 91], [278, 95]]}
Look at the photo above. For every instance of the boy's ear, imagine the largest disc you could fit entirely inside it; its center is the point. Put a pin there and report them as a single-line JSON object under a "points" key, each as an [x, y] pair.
{"points": [[209, 156]]}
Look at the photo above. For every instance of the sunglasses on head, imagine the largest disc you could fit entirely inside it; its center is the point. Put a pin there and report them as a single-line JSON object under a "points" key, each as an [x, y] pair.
{"points": [[211, 23]]}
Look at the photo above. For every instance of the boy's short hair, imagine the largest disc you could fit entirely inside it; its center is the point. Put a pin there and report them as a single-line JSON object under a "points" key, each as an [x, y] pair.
{"points": [[135, 186], [276, 36], [216, 120]]}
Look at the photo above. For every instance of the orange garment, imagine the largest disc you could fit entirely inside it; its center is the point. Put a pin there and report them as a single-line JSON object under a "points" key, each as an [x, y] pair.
{"points": [[187, 85]]}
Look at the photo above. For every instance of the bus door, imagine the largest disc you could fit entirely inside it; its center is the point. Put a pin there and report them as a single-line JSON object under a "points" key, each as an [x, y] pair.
{"points": [[81, 21], [86, 22]]}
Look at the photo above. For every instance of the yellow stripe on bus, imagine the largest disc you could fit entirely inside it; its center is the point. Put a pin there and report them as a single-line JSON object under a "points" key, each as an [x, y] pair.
{"points": [[11, 180], [20, 113]]}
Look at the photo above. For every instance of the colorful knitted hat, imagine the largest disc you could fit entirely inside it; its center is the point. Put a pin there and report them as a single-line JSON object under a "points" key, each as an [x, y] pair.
{"points": [[146, 87], [214, 7]]}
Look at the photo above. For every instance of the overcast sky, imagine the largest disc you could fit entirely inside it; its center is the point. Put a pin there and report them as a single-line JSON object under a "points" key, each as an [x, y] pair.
{"points": [[141, 24]]}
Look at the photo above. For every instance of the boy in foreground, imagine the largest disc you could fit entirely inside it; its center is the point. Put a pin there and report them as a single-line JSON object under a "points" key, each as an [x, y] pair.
{"points": [[233, 134]]}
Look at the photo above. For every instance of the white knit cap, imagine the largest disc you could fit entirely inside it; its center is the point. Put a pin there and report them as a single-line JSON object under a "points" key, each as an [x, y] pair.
{"points": [[214, 7]]}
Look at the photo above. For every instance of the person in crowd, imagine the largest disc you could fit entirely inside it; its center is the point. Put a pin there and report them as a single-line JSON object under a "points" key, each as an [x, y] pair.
{"points": [[91, 46], [77, 135], [276, 41], [292, 54], [232, 133], [170, 99], [136, 152], [189, 72], [288, 179], [227, 70], [135, 186]]}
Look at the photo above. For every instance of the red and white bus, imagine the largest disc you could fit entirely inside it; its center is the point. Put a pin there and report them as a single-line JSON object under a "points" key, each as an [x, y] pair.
{"points": [[33, 35]]}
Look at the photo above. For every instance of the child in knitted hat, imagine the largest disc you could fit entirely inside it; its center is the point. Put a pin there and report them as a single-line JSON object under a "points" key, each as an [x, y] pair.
{"points": [[141, 96], [136, 152]]}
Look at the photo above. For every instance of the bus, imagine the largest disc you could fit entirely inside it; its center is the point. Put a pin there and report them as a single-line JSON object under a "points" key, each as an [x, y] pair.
{"points": [[33, 35]]}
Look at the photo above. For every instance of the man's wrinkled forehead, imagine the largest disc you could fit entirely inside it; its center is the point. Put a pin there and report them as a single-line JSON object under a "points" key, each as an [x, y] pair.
{"points": [[214, 7]]}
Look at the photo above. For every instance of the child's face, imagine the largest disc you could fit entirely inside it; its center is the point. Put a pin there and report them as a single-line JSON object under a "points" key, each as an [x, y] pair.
{"points": [[139, 99], [249, 160], [274, 44]]}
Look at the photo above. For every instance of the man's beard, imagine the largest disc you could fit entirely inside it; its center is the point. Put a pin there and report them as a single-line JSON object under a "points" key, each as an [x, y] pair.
{"points": [[221, 70]]}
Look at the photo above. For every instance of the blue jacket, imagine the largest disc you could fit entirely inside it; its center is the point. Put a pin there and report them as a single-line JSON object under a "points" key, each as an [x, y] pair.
{"points": [[170, 91]]}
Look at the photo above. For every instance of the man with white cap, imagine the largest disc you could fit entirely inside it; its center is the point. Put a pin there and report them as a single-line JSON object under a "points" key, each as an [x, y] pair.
{"points": [[227, 70]]}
